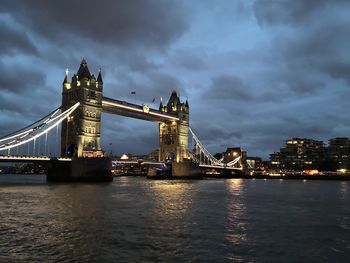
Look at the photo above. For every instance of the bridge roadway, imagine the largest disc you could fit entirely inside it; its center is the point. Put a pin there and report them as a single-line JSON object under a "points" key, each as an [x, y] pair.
{"points": [[205, 166], [219, 167], [137, 162], [34, 159], [30, 159], [127, 109]]}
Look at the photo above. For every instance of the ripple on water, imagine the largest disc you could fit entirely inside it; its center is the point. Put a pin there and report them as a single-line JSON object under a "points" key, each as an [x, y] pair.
{"points": [[133, 219]]}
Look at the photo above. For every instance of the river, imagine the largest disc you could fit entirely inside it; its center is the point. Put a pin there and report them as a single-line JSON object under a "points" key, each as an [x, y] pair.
{"points": [[137, 220]]}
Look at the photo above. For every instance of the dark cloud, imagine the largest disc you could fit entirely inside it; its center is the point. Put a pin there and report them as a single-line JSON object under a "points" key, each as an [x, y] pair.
{"points": [[17, 78], [9, 105], [338, 69], [138, 62], [189, 60], [13, 40], [215, 131], [290, 12], [147, 87], [299, 83], [33, 105], [18, 110], [325, 40], [142, 23], [307, 49], [228, 87]]}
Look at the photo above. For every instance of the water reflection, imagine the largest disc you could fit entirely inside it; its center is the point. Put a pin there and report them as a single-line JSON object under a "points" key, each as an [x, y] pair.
{"points": [[344, 189], [172, 199], [137, 220], [236, 228]]}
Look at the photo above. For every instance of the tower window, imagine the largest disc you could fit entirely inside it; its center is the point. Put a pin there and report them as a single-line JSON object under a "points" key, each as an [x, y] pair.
{"points": [[92, 94]]}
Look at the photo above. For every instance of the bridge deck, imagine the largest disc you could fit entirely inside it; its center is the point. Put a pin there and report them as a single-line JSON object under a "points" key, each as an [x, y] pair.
{"points": [[127, 109], [26, 159], [219, 167]]}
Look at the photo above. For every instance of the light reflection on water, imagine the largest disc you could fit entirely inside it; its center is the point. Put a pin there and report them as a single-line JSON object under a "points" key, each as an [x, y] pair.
{"points": [[236, 224], [134, 219], [172, 199], [236, 229], [344, 189]]}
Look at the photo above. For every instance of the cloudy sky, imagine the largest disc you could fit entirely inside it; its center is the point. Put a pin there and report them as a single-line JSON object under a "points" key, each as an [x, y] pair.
{"points": [[255, 72]]}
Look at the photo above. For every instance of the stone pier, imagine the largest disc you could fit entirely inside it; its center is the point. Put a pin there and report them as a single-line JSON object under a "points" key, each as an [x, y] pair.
{"points": [[80, 170]]}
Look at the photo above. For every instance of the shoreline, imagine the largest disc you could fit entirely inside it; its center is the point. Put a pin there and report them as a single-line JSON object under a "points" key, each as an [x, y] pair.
{"points": [[287, 177], [218, 176]]}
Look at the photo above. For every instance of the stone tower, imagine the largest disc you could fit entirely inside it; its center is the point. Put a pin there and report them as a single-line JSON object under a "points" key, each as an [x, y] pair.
{"points": [[173, 136], [80, 133]]}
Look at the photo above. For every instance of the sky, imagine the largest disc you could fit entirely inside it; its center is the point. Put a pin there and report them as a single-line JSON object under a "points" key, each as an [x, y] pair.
{"points": [[255, 72]]}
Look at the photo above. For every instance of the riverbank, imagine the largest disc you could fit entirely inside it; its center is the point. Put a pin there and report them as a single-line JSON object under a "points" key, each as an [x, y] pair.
{"points": [[287, 177]]}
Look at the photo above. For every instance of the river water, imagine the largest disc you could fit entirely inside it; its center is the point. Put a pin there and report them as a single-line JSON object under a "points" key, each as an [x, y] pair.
{"points": [[138, 220]]}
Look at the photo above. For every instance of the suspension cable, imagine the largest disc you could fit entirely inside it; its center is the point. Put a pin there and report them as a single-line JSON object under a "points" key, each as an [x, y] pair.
{"points": [[55, 120], [207, 154]]}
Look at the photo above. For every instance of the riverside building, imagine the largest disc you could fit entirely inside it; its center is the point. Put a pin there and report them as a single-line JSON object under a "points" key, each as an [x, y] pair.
{"points": [[298, 153], [339, 150]]}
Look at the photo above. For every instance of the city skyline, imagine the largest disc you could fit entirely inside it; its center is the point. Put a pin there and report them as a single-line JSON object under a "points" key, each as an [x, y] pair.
{"points": [[252, 79]]}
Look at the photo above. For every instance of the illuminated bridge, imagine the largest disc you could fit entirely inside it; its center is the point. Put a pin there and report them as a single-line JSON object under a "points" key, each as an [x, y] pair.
{"points": [[31, 159], [73, 130]]}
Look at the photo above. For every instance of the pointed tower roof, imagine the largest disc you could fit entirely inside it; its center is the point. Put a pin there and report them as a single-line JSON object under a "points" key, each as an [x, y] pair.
{"points": [[161, 103], [99, 77], [174, 99], [66, 77], [186, 103], [83, 71]]}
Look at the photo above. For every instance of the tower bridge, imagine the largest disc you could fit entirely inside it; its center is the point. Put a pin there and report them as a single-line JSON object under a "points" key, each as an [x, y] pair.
{"points": [[80, 120], [80, 135]]}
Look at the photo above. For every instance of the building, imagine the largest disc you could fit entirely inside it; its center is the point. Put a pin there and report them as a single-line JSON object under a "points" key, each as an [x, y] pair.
{"points": [[338, 148], [254, 163], [298, 153], [276, 161], [232, 153], [339, 151]]}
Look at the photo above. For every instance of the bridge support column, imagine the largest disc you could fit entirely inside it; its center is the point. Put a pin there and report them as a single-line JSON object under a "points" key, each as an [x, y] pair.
{"points": [[173, 140], [186, 170], [80, 134], [173, 136], [80, 170]]}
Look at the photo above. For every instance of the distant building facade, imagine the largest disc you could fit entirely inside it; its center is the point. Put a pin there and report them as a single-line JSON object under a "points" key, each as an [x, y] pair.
{"points": [[254, 163], [298, 153], [302, 153], [232, 153], [339, 149]]}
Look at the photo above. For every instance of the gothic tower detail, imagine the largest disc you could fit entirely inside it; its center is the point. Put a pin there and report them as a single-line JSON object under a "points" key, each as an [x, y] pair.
{"points": [[80, 134], [173, 136]]}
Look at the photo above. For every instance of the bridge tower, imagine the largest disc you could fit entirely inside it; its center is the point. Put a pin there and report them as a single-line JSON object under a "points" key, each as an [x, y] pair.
{"points": [[80, 134], [173, 136]]}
